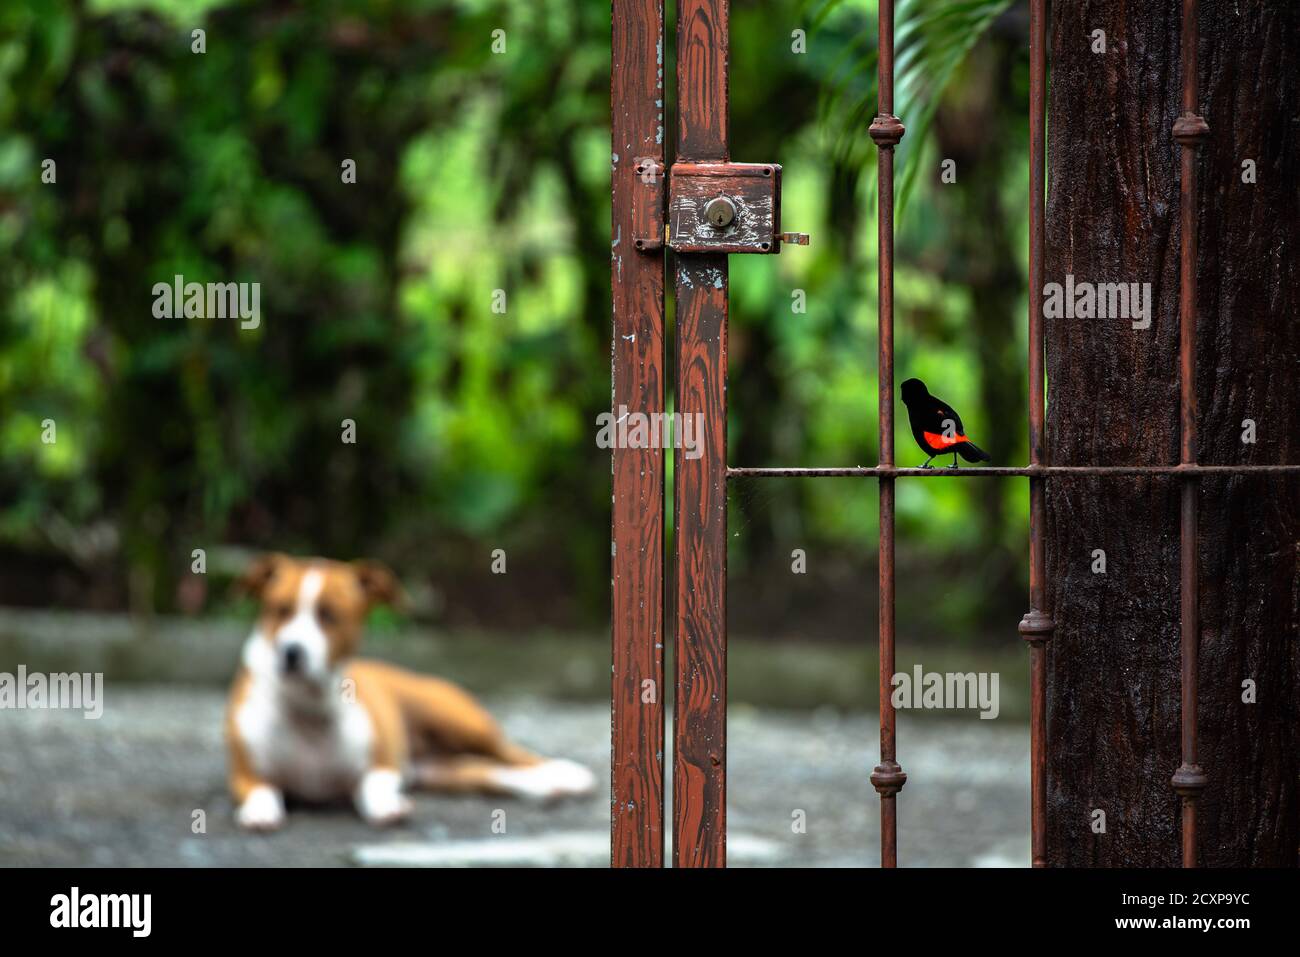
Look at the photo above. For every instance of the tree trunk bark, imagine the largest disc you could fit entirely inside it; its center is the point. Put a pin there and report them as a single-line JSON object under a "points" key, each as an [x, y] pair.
{"points": [[1112, 216]]}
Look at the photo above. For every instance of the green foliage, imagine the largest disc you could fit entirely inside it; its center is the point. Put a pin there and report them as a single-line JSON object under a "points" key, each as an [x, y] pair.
{"points": [[476, 172], [931, 43]]}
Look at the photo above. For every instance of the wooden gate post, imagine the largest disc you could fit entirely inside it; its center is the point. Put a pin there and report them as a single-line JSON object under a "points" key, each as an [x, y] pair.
{"points": [[700, 513], [637, 357]]}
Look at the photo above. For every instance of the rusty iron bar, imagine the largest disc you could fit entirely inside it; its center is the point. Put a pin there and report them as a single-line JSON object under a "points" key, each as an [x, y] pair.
{"points": [[1013, 471], [1037, 626], [637, 510], [886, 131], [1189, 131]]}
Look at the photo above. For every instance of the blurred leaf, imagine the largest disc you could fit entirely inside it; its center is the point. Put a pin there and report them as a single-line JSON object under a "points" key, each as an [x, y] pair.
{"points": [[931, 41]]}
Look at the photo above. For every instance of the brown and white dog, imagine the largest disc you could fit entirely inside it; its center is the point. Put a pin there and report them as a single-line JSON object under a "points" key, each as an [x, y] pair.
{"points": [[307, 720]]}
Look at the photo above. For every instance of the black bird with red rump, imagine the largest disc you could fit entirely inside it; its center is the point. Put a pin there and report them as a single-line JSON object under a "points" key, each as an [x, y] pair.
{"points": [[937, 427]]}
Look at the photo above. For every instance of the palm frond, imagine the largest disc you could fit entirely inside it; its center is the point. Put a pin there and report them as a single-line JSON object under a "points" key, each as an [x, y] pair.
{"points": [[931, 41]]}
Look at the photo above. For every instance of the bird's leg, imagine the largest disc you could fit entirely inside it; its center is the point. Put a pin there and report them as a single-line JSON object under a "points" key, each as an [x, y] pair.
{"points": [[954, 461], [926, 464]]}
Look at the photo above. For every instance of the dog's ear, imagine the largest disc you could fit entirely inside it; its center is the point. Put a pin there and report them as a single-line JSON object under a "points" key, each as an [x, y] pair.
{"points": [[259, 574], [380, 585]]}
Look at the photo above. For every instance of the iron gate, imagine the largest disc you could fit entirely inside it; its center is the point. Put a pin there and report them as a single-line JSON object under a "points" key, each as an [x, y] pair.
{"points": [[703, 208]]}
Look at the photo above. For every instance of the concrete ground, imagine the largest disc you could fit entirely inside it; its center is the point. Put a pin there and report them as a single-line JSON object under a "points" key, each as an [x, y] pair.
{"points": [[127, 789]]}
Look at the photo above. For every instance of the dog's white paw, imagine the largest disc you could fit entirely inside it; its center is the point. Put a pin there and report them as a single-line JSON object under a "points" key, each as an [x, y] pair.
{"points": [[379, 798], [555, 778], [262, 810], [569, 778]]}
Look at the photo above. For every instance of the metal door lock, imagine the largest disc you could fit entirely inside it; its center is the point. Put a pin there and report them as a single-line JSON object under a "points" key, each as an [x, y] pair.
{"points": [[720, 212], [725, 208]]}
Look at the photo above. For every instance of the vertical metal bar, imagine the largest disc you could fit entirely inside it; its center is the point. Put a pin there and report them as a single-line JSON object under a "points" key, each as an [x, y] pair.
{"points": [[637, 356], [886, 130], [1036, 627], [1189, 130], [700, 708]]}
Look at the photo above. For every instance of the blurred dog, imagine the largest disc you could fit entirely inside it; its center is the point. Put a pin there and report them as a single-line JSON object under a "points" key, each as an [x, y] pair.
{"points": [[307, 720]]}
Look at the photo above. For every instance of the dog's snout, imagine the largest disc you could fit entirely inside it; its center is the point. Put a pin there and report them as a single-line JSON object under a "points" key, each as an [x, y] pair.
{"points": [[292, 657]]}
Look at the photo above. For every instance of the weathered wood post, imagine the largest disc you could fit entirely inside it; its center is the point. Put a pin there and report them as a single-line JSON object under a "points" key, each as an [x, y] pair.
{"points": [[1117, 728]]}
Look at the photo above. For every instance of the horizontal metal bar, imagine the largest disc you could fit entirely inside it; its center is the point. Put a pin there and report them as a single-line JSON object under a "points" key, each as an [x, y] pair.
{"points": [[1003, 471]]}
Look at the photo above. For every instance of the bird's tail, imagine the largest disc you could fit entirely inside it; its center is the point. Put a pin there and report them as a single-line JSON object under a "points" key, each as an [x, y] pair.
{"points": [[973, 453]]}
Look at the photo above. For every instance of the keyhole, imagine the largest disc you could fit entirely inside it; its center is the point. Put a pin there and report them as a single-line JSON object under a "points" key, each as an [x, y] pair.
{"points": [[720, 213]]}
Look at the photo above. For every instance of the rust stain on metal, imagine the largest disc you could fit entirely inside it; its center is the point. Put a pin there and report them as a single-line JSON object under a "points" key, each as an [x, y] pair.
{"points": [[888, 777], [1189, 130], [1012, 471], [1037, 626]]}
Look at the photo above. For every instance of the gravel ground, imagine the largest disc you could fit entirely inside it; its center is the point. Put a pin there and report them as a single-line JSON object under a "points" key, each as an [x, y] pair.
{"points": [[124, 791]]}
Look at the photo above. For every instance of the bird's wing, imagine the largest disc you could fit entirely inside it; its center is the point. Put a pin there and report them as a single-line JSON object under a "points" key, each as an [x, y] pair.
{"points": [[946, 411]]}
